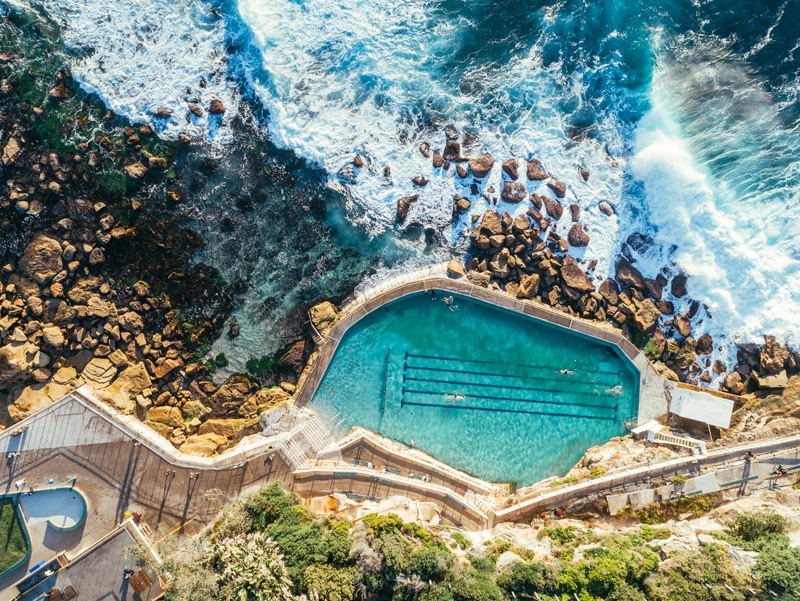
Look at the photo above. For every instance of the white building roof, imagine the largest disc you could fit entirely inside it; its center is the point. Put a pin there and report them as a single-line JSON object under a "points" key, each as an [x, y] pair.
{"points": [[701, 407]]}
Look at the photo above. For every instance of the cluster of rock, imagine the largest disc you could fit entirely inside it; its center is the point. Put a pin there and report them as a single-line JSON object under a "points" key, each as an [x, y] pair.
{"points": [[769, 367], [65, 321], [509, 253]]}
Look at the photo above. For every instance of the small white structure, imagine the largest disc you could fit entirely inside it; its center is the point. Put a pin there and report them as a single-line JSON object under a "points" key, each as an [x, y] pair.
{"points": [[701, 407]]}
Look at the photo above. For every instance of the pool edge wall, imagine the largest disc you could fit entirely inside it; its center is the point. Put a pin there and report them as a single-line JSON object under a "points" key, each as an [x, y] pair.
{"points": [[652, 393]]}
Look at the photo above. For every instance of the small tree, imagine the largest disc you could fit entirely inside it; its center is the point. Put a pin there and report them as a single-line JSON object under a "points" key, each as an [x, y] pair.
{"points": [[251, 568]]}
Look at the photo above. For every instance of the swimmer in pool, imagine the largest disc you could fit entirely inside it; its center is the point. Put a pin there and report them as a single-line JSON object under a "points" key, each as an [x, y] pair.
{"points": [[565, 372], [617, 390], [455, 397]]}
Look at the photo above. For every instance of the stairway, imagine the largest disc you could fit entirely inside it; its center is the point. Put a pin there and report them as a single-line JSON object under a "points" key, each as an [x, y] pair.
{"points": [[698, 447], [306, 442]]}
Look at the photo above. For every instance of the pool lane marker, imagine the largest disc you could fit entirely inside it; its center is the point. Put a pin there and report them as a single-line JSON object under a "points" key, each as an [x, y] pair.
{"points": [[484, 362], [590, 393], [499, 410], [568, 379], [386, 378], [502, 398]]}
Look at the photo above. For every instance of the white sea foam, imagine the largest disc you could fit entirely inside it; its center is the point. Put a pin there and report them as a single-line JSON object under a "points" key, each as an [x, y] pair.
{"points": [[372, 82], [139, 56], [742, 257], [340, 78]]}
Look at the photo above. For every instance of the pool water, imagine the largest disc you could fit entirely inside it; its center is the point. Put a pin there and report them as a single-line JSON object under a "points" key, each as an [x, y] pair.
{"points": [[488, 391]]}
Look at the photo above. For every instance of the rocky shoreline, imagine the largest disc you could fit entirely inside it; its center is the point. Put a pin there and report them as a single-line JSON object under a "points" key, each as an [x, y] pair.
{"points": [[97, 285]]}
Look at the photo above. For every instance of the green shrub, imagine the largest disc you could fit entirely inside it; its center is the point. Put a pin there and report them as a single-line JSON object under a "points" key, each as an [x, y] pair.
{"points": [[460, 540], [751, 526], [221, 360], [431, 563], [524, 580], [778, 565], [329, 583], [379, 525]]}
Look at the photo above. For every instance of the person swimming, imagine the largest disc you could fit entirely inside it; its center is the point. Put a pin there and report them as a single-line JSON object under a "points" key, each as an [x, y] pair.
{"points": [[448, 300], [617, 390], [455, 397], [565, 372]]}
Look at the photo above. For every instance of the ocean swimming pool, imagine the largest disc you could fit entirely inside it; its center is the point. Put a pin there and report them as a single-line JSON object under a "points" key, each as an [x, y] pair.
{"points": [[491, 392]]}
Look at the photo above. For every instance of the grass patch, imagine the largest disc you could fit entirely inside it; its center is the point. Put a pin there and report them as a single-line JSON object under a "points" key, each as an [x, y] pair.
{"points": [[661, 511], [13, 544]]}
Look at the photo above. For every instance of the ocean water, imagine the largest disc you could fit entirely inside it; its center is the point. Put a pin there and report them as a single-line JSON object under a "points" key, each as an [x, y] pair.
{"points": [[488, 399], [686, 113]]}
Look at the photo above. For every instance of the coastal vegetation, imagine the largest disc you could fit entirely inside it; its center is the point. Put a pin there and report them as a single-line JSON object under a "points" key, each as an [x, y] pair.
{"points": [[13, 543], [267, 546]]}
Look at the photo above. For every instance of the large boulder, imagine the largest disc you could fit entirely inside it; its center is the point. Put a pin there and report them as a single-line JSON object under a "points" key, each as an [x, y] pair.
{"points": [[514, 192], [558, 187], [528, 286], [455, 269], [41, 259], [628, 275], [294, 359], [678, 286], [452, 151], [481, 166], [169, 416], [646, 316], [199, 446], [10, 151], [574, 277], [576, 236], [535, 171], [610, 291], [323, 316], [554, 208], [510, 169], [403, 206], [16, 363], [232, 428]]}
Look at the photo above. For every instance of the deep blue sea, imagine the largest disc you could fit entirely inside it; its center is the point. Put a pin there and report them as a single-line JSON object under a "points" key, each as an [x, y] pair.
{"points": [[686, 114]]}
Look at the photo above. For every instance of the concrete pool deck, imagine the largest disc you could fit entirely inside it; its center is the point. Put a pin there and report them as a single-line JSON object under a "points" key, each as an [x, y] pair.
{"points": [[655, 392]]}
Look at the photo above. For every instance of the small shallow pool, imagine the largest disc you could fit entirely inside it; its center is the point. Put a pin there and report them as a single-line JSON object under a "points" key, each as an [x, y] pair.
{"points": [[61, 508], [488, 391]]}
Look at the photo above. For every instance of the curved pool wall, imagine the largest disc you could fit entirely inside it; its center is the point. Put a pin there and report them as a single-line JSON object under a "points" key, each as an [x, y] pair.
{"points": [[480, 388]]}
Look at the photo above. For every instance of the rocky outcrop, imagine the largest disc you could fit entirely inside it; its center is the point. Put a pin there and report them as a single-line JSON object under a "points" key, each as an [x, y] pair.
{"points": [[216, 107], [481, 166], [136, 170], [513, 192], [403, 206], [577, 236], [41, 260], [535, 171], [323, 316]]}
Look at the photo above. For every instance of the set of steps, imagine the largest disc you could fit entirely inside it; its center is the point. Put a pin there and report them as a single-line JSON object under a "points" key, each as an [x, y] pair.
{"points": [[317, 337], [306, 443], [293, 454], [698, 447], [317, 435]]}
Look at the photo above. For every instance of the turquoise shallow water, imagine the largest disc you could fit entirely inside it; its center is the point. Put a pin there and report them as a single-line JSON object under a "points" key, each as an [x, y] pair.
{"points": [[479, 388]]}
